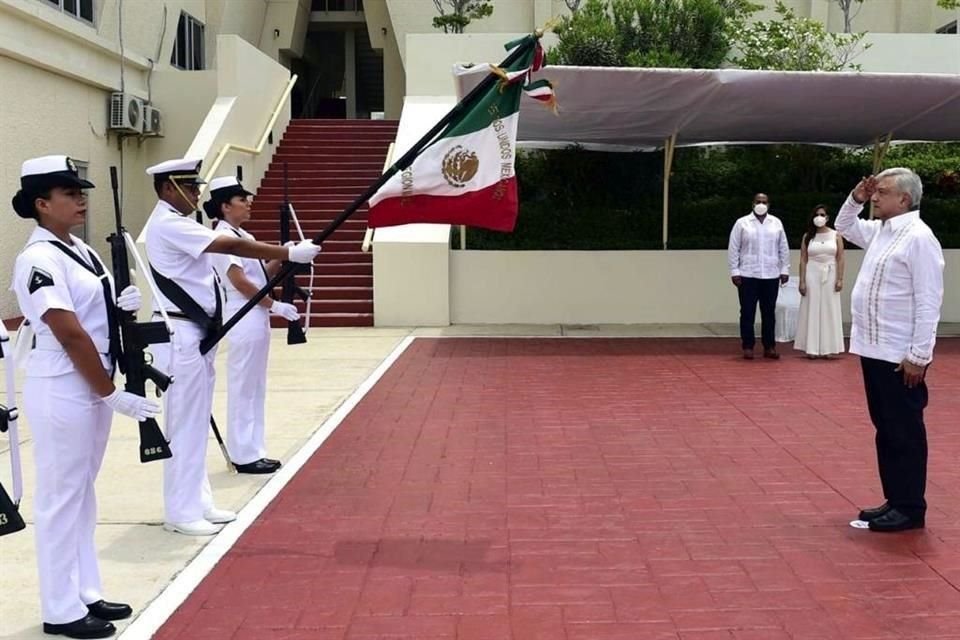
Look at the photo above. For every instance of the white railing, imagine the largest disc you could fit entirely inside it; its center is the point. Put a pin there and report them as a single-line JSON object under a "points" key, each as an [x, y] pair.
{"points": [[368, 235], [254, 151]]}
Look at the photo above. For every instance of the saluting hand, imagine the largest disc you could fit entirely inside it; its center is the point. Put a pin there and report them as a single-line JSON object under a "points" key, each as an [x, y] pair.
{"points": [[865, 189], [285, 310], [129, 299], [130, 404]]}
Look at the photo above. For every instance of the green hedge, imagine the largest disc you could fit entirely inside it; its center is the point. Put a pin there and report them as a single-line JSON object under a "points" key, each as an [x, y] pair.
{"points": [[582, 200]]}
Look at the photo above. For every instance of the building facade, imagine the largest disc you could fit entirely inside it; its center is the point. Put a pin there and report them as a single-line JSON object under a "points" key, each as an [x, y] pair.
{"points": [[183, 64]]}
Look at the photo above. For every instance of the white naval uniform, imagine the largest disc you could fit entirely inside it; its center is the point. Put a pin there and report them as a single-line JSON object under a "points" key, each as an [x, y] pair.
{"points": [[246, 358], [69, 422], [175, 247]]}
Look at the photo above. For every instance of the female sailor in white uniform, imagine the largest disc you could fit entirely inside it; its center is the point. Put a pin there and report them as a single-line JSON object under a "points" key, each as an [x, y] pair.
{"points": [[229, 204], [66, 293]]}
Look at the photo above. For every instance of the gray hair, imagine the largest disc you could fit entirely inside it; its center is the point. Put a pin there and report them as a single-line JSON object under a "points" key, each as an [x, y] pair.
{"points": [[907, 182]]}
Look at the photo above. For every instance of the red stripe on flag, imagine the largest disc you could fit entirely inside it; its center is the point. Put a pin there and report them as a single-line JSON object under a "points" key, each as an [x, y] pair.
{"points": [[492, 208]]}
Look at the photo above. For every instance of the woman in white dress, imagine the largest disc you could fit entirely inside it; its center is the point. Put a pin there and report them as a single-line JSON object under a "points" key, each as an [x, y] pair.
{"points": [[819, 324]]}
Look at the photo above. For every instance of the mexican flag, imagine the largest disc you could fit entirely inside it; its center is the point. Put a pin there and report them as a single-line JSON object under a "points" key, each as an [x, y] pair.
{"points": [[466, 174]]}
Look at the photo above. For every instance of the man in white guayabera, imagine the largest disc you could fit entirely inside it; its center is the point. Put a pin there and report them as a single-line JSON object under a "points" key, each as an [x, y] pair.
{"points": [[759, 261], [895, 307]]}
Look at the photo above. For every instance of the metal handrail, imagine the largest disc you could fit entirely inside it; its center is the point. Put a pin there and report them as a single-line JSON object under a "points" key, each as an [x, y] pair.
{"points": [[368, 235], [228, 147]]}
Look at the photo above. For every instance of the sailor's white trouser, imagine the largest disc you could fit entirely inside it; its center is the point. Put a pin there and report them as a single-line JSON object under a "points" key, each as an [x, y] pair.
{"points": [[247, 384], [70, 426], [186, 412]]}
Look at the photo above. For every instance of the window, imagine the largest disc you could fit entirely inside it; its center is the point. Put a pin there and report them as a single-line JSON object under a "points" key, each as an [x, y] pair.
{"points": [[188, 47], [82, 230], [80, 9], [950, 27]]}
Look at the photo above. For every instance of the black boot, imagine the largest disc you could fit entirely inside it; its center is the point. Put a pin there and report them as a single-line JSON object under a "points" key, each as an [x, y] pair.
{"points": [[87, 627]]}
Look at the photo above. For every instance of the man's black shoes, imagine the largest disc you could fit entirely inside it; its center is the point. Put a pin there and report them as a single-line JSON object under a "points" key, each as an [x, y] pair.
{"points": [[89, 626], [261, 466], [110, 610], [874, 512], [893, 520]]}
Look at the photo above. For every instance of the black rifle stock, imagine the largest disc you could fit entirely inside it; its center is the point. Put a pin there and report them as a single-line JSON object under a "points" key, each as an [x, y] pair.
{"points": [[405, 161], [136, 336], [289, 289]]}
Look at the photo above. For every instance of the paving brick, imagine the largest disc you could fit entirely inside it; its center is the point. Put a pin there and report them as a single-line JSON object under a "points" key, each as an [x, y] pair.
{"points": [[599, 490]]}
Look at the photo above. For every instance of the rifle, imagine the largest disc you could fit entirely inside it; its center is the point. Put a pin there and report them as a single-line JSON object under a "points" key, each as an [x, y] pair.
{"points": [[136, 336], [10, 519], [405, 161], [289, 288]]}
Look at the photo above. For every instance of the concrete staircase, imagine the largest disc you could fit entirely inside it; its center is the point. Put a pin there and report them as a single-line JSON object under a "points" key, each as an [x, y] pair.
{"points": [[329, 163]]}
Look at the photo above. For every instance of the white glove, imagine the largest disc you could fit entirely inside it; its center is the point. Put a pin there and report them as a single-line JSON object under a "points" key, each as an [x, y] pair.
{"points": [[129, 299], [285, 310], [130, 404], [304, 252]]}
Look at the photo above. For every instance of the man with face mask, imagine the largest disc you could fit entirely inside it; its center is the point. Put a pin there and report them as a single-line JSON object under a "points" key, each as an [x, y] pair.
{"points": [[759, 261]]}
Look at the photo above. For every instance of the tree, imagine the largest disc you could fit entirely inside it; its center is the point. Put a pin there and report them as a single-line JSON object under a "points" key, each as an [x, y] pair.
{"points": [[846, 6], [572, 5], [650, 33], [792, 43], [461, 13], [948, 4]]}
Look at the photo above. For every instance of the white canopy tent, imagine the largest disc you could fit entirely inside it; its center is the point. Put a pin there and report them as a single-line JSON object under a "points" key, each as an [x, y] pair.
{"points": [[627, 109]]}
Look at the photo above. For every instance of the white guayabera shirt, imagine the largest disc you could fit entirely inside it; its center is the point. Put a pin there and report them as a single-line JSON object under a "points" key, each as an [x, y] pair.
{"points": [[758, 250], [895, 304]]}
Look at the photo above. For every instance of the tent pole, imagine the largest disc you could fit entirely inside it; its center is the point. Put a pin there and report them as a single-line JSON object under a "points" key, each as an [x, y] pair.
{"points": [[668, 147], [880, 148]]}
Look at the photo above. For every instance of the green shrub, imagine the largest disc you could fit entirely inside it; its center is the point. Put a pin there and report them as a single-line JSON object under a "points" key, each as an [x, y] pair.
{"points": [[586, 200]]}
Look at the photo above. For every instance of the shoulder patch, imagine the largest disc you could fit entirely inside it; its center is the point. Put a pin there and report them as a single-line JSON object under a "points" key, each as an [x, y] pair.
{"points": [[39, 279]]}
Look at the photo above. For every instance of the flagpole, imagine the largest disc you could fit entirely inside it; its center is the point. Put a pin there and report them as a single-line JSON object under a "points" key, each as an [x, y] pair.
{"points": [[405, 161]]}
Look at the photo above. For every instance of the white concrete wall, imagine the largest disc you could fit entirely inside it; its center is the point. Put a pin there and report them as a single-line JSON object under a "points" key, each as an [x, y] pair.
{"points": [[618, 287], [928, 53], [56, 74]]}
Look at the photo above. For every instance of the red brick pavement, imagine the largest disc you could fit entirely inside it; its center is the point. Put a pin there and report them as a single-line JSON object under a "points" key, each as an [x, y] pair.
{"points": [[596, 489]]}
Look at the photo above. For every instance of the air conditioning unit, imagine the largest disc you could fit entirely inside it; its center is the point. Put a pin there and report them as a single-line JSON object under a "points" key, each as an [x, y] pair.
{"points": [[152, 121], [126, 113]]}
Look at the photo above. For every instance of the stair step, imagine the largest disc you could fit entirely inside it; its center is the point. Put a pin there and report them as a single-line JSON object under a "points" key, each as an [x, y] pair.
{"points": [[341, 293], [330, 320], [337, 305], [325, 280], [330, 172], [315, 185], [358, 135], [325, 123]]}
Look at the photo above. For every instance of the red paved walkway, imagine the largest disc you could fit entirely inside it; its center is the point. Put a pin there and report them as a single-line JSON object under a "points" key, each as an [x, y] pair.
{"points": [[596, 490]]}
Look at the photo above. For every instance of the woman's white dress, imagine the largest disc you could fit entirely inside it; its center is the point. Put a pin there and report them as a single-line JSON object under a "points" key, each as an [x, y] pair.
{"points": [[819, 325]]}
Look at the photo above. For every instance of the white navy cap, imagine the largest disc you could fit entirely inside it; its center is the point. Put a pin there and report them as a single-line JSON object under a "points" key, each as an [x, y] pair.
{"points": [[222, 189], [184, 169], [51, 171], [40, 174], [226, 187]]}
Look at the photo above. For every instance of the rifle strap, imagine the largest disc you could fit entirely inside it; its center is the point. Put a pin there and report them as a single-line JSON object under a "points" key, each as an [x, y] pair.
{"points": [[113, 321], [190, 307]]}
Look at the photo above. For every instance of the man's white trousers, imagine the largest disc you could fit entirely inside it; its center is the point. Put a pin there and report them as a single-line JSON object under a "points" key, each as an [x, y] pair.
{"points": [[70, 426], [186, 418], [247, 384]]}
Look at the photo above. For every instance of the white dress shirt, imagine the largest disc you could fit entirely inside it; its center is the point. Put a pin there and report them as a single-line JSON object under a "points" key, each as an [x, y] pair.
{"points": [[895, 304], [758, 249], [175, 246], [253, 269]]}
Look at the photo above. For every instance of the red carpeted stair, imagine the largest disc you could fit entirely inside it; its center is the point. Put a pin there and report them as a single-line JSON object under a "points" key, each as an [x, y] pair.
{"points": [[329, 163]]}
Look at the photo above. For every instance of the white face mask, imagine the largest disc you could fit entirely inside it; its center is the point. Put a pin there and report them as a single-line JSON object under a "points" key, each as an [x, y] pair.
{"points": [[760, 209], [819, 221]]}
